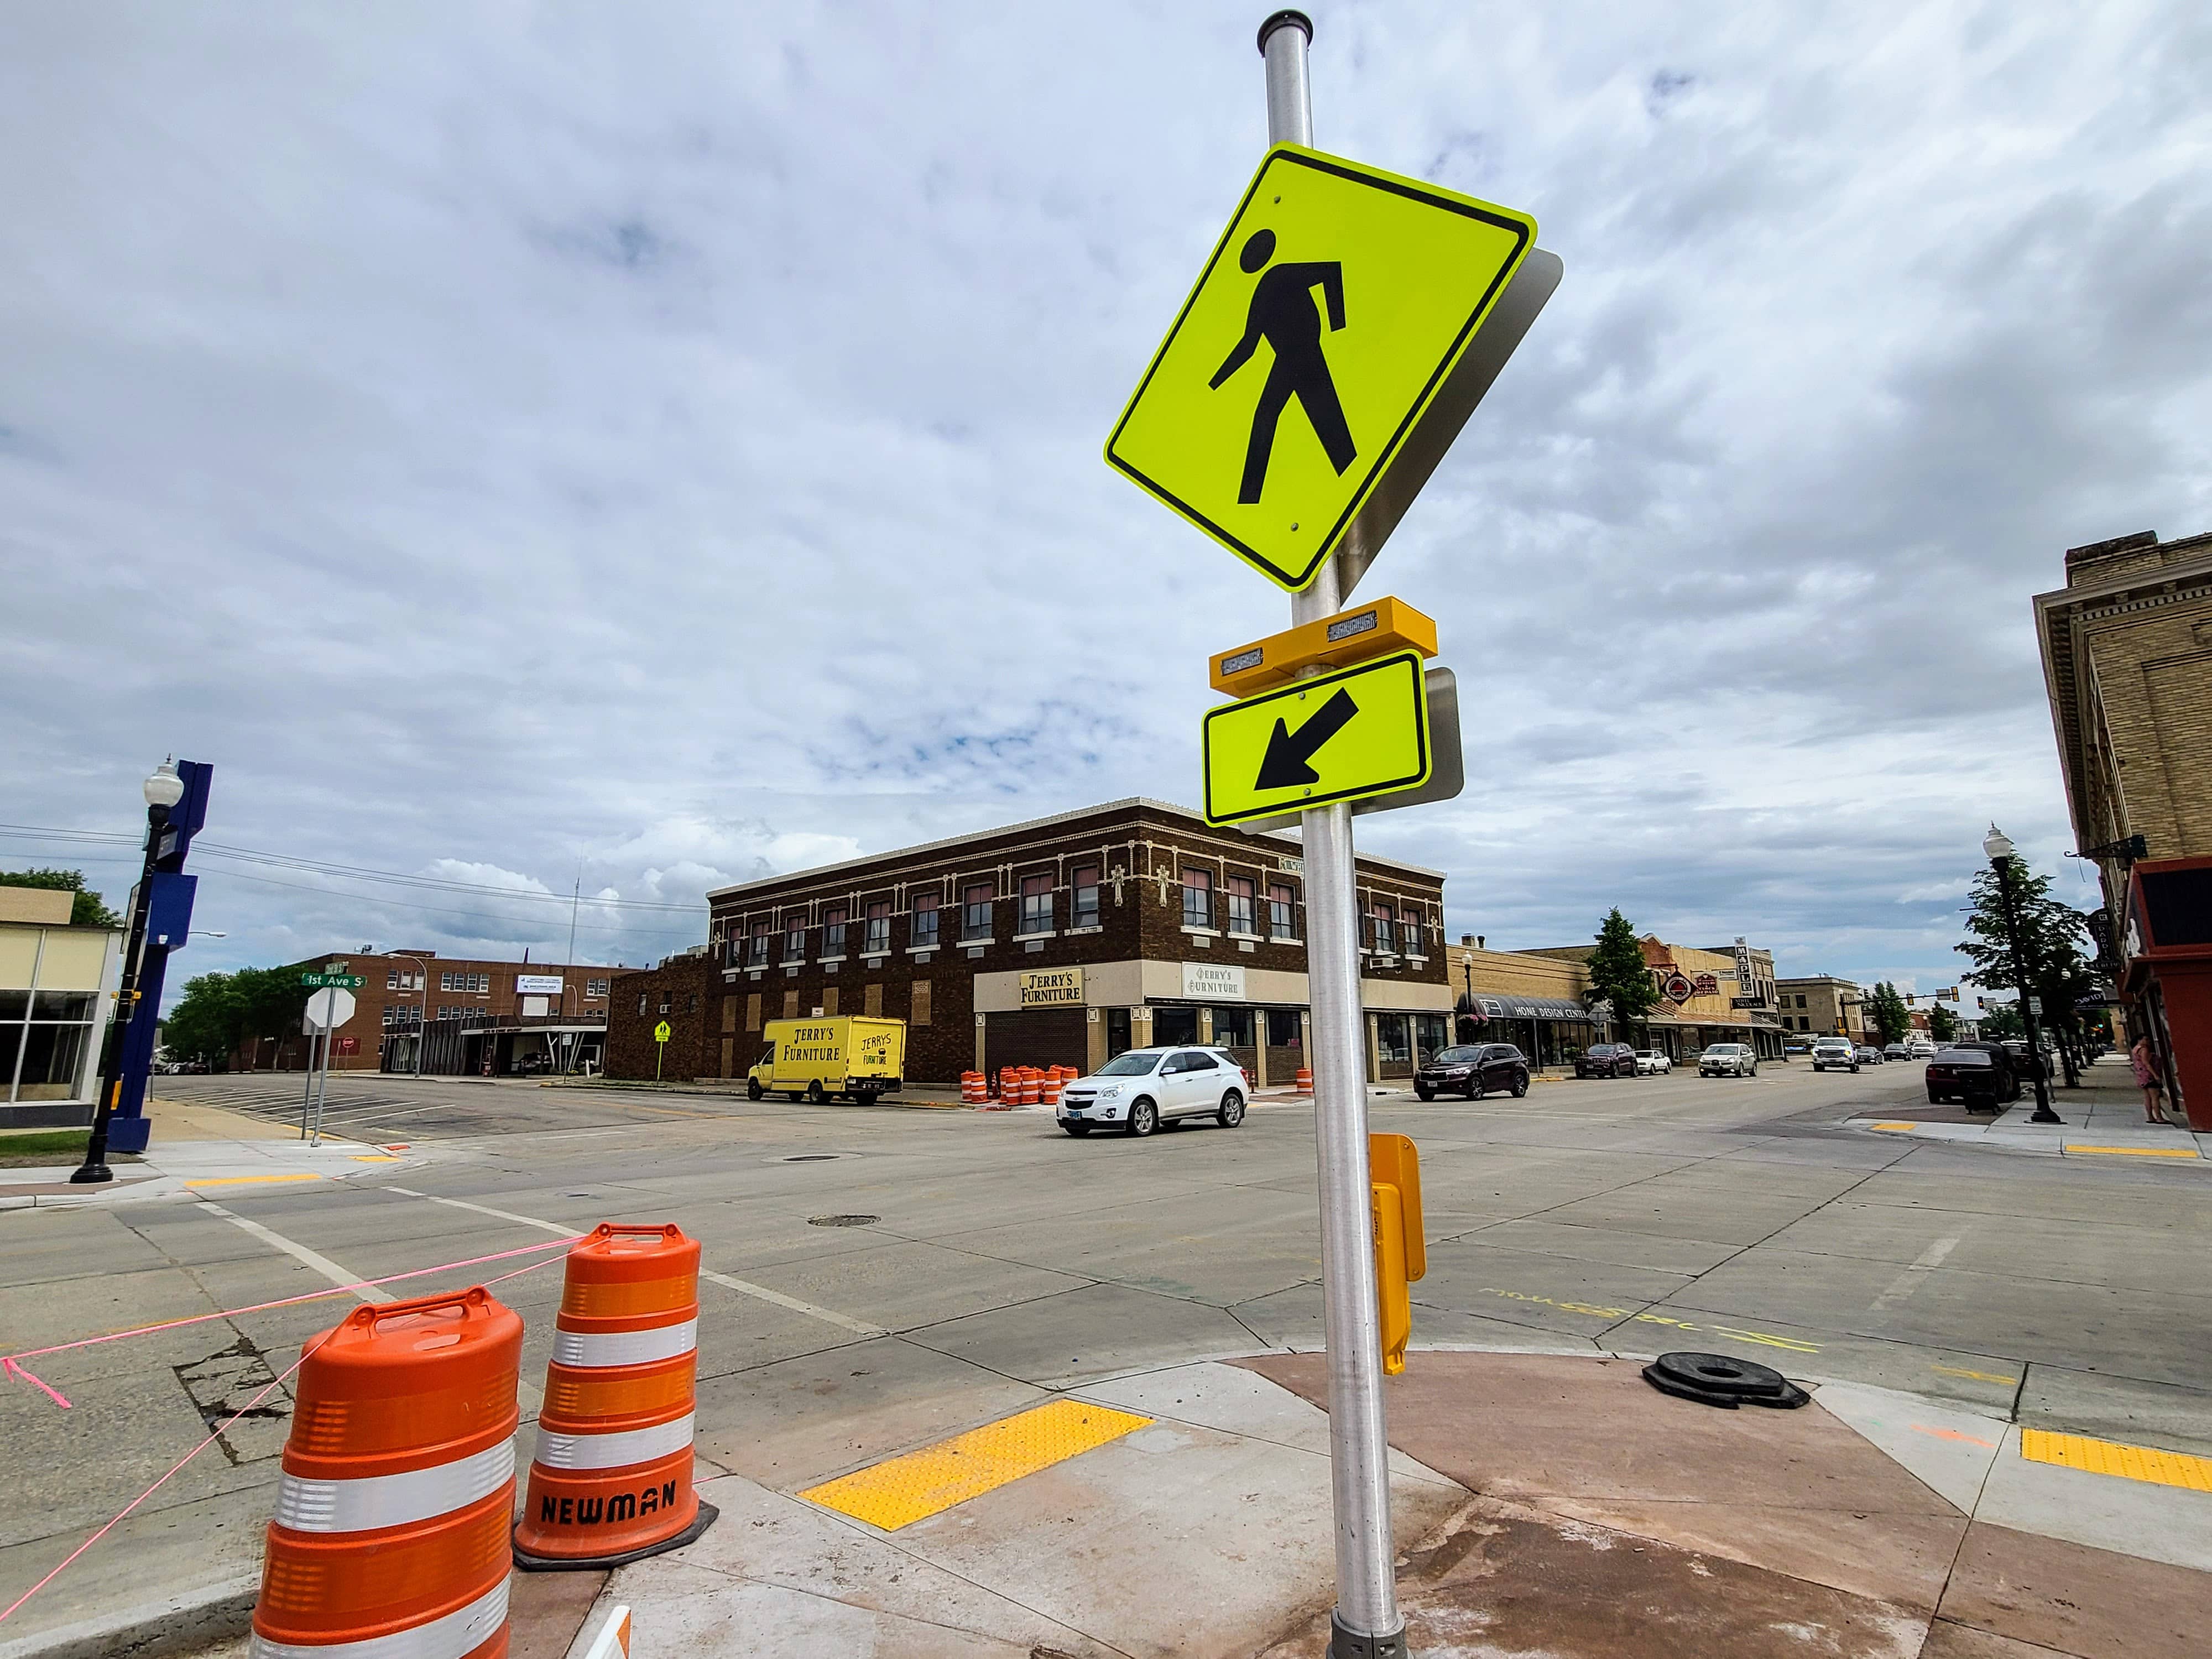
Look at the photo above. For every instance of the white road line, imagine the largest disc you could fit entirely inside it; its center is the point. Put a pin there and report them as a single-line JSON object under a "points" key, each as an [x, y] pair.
{"points": [[1902, 1287], [299, 1252], [744, 1286], [377, 1117]]}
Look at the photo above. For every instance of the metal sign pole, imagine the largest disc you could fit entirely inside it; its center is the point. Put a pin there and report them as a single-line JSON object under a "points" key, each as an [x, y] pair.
{"points": [[322, 1088], [308, 1088], [1365, 1623]]}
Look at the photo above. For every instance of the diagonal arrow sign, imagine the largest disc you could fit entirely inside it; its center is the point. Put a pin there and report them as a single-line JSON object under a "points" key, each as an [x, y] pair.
{"points": [[1284, 765]]}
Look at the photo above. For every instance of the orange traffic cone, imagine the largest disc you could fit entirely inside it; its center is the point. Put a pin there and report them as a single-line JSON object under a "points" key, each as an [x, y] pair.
{"points": [[612, 1479], [397, 1484]]}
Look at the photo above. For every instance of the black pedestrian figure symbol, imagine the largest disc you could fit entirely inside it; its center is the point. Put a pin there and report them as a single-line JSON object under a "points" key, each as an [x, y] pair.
{"points": [[1284, 314]]}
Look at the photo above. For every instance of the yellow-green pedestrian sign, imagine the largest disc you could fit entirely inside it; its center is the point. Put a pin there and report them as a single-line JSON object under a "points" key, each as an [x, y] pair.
{"points": [[1330, 315], [661, 1032], [1345, 736]]}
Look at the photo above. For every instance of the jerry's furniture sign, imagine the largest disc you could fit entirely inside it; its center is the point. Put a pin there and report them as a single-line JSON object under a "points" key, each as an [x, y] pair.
{"points": [[1052, 988], [1207, 981]]}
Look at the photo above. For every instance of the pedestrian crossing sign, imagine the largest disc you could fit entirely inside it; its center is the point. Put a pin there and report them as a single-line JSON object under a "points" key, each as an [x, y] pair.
{"points": [[1328, 317]]}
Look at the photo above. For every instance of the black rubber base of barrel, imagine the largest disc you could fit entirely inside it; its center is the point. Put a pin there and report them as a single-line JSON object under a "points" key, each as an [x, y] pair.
{"points": [[528, 1563], [1716, 1379]]}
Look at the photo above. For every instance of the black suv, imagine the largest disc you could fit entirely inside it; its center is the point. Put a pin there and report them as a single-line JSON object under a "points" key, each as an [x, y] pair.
{"points": [[1978, 1075], [1606, 1060], [1474, 1069]]}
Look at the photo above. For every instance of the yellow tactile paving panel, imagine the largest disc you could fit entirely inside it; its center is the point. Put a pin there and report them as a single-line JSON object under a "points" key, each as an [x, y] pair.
{"points": [[2134, 1151], [1894, 1128], [2079, 1451], [901, 1491]]}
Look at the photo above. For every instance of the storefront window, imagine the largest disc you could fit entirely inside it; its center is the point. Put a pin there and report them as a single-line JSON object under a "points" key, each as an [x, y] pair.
{"points": [[1198, 898], [1391, 1041], [1232, 1027], [1283, 1028], [52, 1046], [1430, 1033], [1173, 1026]]}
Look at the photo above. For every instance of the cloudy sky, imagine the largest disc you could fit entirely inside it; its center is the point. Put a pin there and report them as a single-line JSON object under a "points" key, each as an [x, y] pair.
{"points": [[647, 447]]}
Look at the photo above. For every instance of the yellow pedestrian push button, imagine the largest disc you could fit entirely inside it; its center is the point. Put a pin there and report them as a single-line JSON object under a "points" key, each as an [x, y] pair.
{"points": [[1401, 1254]]}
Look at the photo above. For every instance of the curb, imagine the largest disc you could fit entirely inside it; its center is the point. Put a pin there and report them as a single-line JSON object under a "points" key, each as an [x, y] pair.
{"points": [[180, 1624]]}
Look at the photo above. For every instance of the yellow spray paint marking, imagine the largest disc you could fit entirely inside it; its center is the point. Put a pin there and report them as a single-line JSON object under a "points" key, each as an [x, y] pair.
{"points": [[375, 1158], [2147, 1463], [902, 1489], [2135, 1152], [248, 1180], [1894, 1128], [1953, 1434], [1765, 1339], [1979, 1376]]}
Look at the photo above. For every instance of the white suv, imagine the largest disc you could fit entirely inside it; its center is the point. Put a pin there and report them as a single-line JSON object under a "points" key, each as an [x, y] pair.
{"points": [[1840, 1053], [1728, 1059], [1145, 1088]]}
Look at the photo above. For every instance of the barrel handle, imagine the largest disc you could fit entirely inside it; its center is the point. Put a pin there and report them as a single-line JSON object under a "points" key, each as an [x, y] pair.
{"points": [[472, 1300], [606, 1230]]}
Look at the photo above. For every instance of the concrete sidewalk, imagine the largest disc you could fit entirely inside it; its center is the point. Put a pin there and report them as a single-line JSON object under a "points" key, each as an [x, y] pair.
{"points": [[206, 1149], [2102, 1119]]}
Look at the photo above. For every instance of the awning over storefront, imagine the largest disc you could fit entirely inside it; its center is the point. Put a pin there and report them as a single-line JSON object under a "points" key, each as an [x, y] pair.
{"points": [[1485, 1006]]}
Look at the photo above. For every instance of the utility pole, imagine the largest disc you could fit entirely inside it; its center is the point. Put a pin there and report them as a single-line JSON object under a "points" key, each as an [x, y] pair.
{"points": [[1365, 1623]]}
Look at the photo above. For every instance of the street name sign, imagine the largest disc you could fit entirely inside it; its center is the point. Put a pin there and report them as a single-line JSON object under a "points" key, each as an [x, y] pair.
{"points": [[343, 981], [1330, 316], [1360, 731]]}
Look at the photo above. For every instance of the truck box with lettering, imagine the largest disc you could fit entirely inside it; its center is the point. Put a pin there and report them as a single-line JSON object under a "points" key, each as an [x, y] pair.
{"points": [[853, 1055]]}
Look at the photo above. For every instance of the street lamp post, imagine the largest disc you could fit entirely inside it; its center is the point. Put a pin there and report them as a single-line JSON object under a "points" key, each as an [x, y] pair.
{"points": [[163, 790], [422, 1031], [1998, 846]]}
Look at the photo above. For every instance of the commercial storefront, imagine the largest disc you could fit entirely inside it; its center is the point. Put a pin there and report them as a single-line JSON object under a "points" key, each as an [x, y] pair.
{"points": [[1541, 1000], [1061, 941], [52, 1009], [2165, 987]]}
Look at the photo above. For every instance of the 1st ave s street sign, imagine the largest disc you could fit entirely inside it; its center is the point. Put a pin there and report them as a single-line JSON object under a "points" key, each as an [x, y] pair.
{"points": [[1331, 314], [343, 981], [1360, 731]]}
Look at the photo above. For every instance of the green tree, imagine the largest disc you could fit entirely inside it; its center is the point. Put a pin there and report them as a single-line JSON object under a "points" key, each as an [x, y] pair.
{"points": [[1618, 972], [2051, 937], [2002, 1019], [88, 910], [221, 1014], [1886, 1007], [1942, 1023]]}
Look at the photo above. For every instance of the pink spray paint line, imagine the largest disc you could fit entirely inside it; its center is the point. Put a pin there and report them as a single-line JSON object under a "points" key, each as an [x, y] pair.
{"points": [[214, 1434], [12, 1365]]}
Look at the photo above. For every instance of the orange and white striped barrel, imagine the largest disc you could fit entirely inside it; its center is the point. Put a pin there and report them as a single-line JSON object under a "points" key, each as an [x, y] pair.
{"points": [[1010, 1085], [1032, 1086], [1305, 1080], [397, 1484], [975, 1089], [1048, 1089], [610, 1480]]}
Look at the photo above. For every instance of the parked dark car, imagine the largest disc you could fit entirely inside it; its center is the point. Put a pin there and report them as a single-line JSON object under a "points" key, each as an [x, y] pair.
{"points": [[1474, 1069], [1606, 1060], [1978, 1075], [2017, 1048]]}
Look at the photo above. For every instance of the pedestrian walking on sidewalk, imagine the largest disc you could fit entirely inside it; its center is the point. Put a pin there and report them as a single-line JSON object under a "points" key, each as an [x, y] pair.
{"points": [[2148, 1080]]}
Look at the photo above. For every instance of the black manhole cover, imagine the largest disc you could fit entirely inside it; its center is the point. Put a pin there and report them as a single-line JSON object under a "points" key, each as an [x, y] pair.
{"points": [[842, 1220], [1719, 1379]]}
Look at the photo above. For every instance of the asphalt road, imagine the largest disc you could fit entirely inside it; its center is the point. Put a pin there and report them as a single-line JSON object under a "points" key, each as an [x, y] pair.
{"points": [[984, 1259]]}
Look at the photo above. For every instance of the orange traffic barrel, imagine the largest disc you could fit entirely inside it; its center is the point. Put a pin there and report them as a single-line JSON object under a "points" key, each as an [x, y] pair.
{"points": [[1048, 1089], [1010, 1084], [610, 1480], [1305, 1080], [975, 1089], [397, 1485], [1032, 1086]]}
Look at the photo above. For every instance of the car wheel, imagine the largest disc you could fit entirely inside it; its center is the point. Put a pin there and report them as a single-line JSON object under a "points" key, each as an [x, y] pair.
{"points": [[1475, 1091], [1424, 1091], [1144, 1118], [1855, 1069], [1519, 1085], [753, 1090], [815, 1096], [1232, 1110], [1754, 1072], [1079, 1130]]}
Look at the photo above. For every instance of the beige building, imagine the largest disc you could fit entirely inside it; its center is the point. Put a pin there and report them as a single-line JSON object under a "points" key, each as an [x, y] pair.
{"points": [[1821, 1005], [1534, 1001], [1705, 997], [53, 1008]]}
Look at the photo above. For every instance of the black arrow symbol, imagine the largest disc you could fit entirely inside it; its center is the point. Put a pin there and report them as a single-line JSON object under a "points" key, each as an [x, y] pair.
{"points": [[1284, 765]]}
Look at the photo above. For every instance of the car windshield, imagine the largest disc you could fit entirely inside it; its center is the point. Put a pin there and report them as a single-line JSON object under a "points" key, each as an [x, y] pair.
{"points": [[1647, 1054], [1725, 1049], [1138, 1062], [1456, 1056], [1964, 1057]]}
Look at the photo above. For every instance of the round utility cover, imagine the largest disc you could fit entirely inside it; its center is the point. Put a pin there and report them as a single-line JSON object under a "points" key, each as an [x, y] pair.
{"points": [[1719, 1379], [330, 1006]]}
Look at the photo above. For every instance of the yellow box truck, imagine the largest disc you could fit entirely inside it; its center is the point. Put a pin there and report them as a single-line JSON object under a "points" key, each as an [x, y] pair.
{"points": [[817, 1059]]}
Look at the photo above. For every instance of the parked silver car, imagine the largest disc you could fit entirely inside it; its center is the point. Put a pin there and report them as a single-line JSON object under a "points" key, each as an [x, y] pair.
{"points": [[1729, 1060]]}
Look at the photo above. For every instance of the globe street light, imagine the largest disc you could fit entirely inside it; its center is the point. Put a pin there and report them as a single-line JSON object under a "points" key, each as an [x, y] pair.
{"points": [[1998, 846]]}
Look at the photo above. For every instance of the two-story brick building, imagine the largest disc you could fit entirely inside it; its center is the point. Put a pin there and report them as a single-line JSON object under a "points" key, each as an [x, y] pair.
{"points": [[471, 1015], [1060, 941]]}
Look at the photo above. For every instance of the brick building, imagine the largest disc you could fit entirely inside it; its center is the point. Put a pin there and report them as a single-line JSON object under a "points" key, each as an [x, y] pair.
{"points": [[2127, 661], [1821, 1005], [1705, 996], [1060, 941], [467, 1012]]}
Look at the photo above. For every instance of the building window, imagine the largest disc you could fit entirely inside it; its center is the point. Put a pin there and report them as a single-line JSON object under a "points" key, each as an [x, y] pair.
{"points": [[878, 937], [1383, 931], [1282, 912], [595, 988], [919, 1014], [663, 1001], [1086, 897], [753, 1012], [791, 1004], [830, 1003], [51, 1049], [1197, 898], [756, 946], [1410, 934], [924, 931], [391, 979], [694, 1006], [1243, 907], [794, 939], [976, 911], [833, 932], [640, 1004], [1391, 1041], [1036, 904], [872, 1000]]}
